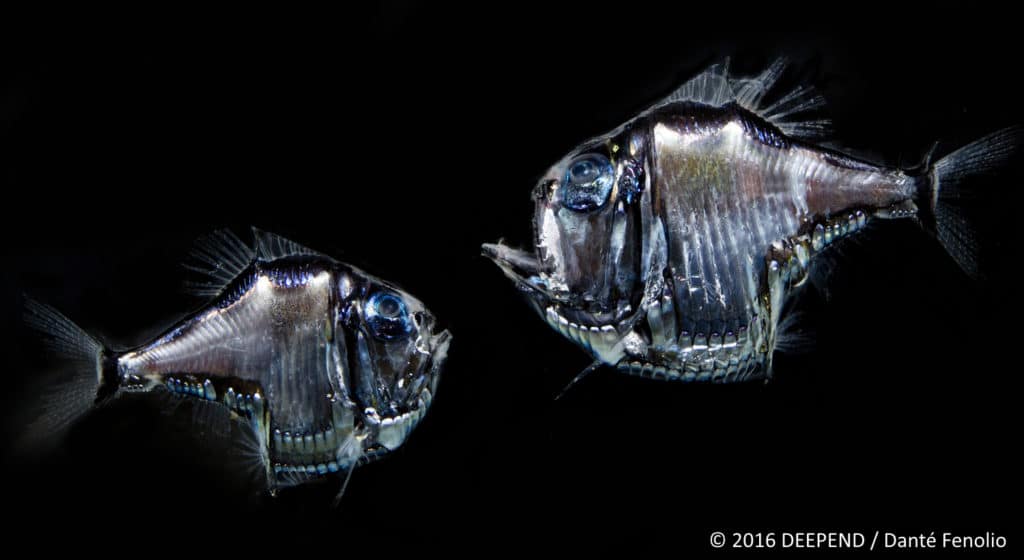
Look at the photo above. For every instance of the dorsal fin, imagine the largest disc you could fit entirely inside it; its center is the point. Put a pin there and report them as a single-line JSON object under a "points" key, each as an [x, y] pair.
{"points": [[219, 257], [750, 91], [788, 112], [270, 246], [710, 87]]}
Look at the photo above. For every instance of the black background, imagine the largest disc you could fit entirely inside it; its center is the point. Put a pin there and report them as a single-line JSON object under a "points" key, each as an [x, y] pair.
{"points": [[399, 138]]}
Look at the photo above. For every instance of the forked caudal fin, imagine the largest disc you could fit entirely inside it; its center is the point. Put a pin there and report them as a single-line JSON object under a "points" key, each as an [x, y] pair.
{"points": [[81, 378], [948, 187]]}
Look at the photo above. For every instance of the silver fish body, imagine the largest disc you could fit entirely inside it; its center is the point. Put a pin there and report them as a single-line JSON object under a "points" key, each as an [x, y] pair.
{"points": [[668, 247], [743, 211], [324, 364]]}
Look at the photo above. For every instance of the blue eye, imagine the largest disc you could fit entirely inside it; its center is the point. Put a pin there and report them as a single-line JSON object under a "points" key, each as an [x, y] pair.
{"points": [[387, 316], [588, 183]]}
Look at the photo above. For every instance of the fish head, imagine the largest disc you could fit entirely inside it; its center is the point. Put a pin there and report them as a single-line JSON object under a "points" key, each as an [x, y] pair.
{"points": [[586, 274], [391, 350]]}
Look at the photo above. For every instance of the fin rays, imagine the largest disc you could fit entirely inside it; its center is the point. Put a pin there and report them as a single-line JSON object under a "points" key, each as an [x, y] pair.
{"points": [[77, 380], [221, 257], [270, 246], [788, 112]]}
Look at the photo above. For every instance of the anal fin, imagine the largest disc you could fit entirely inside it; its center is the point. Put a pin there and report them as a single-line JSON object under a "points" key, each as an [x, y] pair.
{"points": [[796, 263]]}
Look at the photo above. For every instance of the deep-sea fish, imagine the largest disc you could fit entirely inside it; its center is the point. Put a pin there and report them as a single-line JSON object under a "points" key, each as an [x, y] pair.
{"points": [[670, 246], [321, 364]]}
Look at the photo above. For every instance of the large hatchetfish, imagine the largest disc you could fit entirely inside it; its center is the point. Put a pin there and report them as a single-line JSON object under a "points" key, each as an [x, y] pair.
{"points": [[668, 247], [321, 364]]}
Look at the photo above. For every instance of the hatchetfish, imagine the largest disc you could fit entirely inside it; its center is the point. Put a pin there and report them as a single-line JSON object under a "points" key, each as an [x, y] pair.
{"points": [[669, 246], [321, 364]]}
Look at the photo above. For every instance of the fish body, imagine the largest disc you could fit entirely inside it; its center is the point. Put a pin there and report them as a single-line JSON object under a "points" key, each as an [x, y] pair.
{"points": [[323, 364], [669, 247]]}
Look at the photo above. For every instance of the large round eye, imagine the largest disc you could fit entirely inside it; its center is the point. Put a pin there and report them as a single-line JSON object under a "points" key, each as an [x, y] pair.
{"points": [[387, 316], [588, 182]]}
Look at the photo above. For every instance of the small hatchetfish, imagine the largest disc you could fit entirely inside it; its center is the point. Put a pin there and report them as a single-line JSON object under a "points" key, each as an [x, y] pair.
{"points": [[320, 364], [669, 246]]}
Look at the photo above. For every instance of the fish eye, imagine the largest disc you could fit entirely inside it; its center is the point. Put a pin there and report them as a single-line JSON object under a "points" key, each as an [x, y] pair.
{"points": [[387, 316], [588, 182]]}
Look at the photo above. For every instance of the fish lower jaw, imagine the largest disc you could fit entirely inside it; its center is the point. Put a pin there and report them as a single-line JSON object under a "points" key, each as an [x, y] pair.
{"points": [[395, 429], [604, 341]]}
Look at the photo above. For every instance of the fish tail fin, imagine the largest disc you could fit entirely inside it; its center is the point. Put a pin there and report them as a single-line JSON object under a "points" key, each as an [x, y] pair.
{"points": [[947, 187], [84, 377]]}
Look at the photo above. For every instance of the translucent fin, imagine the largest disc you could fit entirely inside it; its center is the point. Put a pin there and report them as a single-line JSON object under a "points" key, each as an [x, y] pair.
{"points": [[249, 454], [166, 401], [809, 129], [794, 336], [825, 274], [211, 420], [789, 111], [289, 479], [796, 333], [219, 257], [350, 452], [579, 377], [270, 246], [710, 87], [948, 189], [77, 380], [785, 113], [750, 91], [344, 486]]}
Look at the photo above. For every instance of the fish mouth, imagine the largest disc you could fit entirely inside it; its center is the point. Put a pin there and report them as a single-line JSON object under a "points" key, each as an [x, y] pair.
{"points": [[521, 266], [599, 332], [552, 300], [394, 429], [428, 371]]}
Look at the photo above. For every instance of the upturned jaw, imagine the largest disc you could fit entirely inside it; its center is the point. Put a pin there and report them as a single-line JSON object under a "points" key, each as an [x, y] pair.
{"points": [[525, 270], [529, 274], [597, 333], [548, 294], [521, 266]]}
